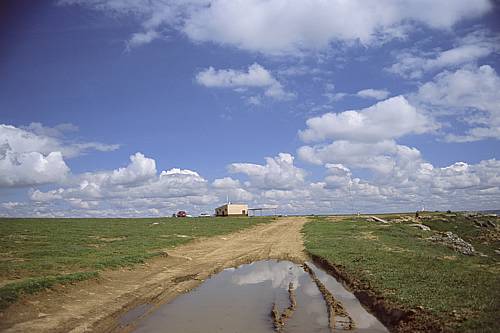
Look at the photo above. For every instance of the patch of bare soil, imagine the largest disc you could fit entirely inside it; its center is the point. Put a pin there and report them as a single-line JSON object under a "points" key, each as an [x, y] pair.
{"points": [[97, 305], [392, 316]]}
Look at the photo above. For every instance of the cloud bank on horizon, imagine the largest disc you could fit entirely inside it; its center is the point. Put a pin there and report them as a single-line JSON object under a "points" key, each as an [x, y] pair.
{"points": [[364, 146]]}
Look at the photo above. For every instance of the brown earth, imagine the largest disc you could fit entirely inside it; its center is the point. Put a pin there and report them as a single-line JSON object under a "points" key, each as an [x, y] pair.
{"points": [[98, 305]]}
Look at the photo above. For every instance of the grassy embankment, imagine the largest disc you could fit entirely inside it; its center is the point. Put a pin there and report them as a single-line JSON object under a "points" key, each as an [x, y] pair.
{"points": [[38, 253], [398, 263]]}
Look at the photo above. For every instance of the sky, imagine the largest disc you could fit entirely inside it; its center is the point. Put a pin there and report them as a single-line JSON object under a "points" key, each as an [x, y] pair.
{"points": [[143, 108]]}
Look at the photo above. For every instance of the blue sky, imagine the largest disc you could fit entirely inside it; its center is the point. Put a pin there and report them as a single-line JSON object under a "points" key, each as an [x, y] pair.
{"points": [[118, 108]]}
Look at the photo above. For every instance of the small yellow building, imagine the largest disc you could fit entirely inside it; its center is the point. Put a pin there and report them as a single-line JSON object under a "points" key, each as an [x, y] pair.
{"points": [[230, 209]]}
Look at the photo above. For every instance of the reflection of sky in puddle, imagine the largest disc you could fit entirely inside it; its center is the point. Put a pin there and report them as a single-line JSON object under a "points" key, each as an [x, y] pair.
{"points": [[280, 274], [310, 314], [240, 300], [364, 320]]}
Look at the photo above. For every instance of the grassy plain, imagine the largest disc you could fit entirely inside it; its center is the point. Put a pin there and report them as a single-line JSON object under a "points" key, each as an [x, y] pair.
{"points": [[397, 262], [37, 253]]}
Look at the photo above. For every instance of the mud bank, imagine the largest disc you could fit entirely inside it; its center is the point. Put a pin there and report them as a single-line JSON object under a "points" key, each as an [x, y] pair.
{"points": [[394, 317]]}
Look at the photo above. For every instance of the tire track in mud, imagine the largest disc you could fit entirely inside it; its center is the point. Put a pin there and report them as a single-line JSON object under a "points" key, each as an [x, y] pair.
{"points": [[279, 320], [97, 305], [338, 317]]}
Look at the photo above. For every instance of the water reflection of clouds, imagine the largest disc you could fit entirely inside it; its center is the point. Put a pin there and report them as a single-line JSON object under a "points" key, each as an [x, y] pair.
{"points": [[311, 289], [221, 304], [280, 274], [314, 303], [362, 318], [315, 308], [334, 286]]}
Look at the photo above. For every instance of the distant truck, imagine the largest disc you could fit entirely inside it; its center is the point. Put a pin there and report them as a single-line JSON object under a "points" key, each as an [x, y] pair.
{"points": [[181, 213]]}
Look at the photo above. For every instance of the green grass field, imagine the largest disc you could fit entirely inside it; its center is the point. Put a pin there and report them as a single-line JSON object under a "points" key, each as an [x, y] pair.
{"points": [[38, 253], [397, 262]]}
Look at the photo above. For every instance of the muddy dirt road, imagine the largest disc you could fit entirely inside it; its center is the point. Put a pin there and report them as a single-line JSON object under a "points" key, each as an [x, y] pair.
{"points": [[97, 305]]}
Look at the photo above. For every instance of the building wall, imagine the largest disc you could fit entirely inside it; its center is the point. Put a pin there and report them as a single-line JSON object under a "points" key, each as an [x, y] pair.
{"points": [[221, 211], [237, 209], [232, 209]]}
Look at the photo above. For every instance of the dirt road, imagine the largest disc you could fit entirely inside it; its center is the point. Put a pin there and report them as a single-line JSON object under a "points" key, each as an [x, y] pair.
{"points": [[98, 305]]}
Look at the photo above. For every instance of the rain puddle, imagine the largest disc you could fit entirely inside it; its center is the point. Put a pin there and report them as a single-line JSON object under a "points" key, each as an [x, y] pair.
{"points": [[264, 296]]}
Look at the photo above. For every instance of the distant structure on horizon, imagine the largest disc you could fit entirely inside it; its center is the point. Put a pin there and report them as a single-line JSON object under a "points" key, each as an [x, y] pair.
{"points": [[230, 209]]}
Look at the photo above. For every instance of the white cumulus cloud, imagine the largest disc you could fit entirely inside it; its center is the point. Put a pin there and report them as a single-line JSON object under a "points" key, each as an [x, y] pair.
{"points": [[140, 169], [137, 185], [34, 154], [30, 168], [413, 64], [392, 118], [382, 156], [278, 172], [256, 77], [38, 138], [378, 94], [226, 183], [472, 90], [279, 27], [290, 27]]}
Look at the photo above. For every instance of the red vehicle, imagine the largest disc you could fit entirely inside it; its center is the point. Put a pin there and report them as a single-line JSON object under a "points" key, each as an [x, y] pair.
{"points": [[181, 213]]}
